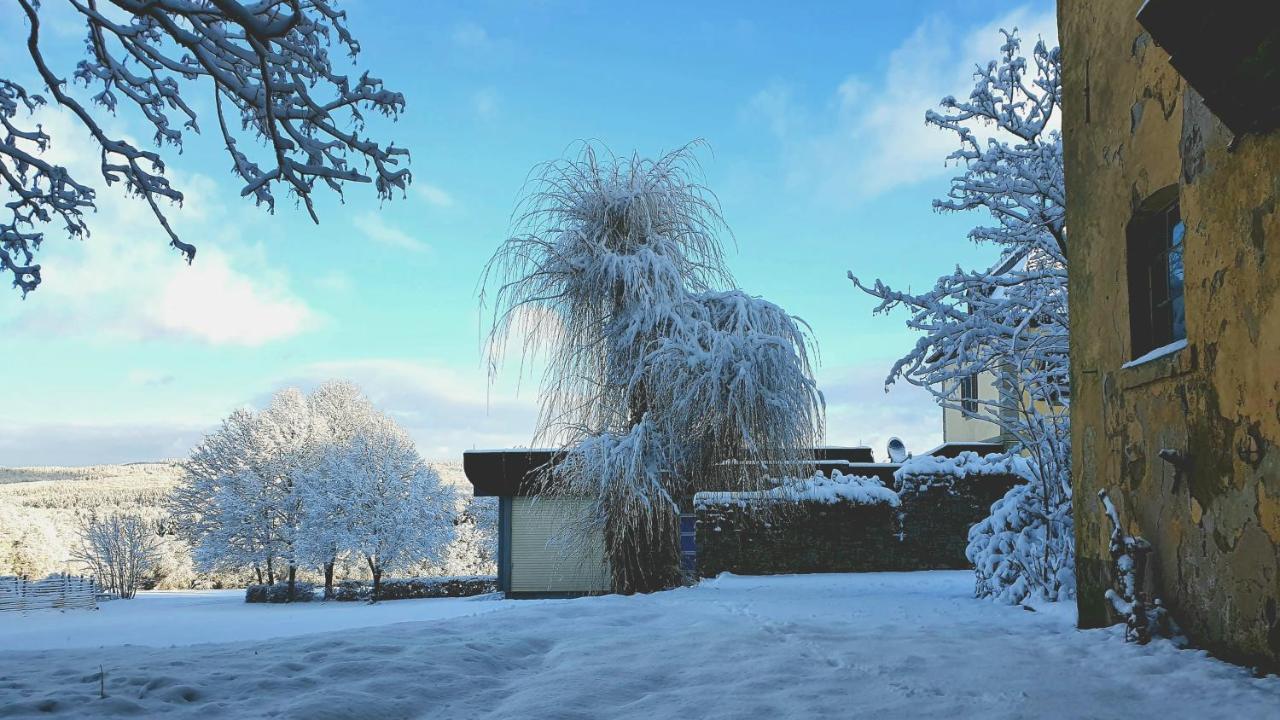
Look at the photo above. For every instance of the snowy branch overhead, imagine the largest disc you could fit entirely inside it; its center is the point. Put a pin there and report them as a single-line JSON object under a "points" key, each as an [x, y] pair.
{"points": [[286, 117]]}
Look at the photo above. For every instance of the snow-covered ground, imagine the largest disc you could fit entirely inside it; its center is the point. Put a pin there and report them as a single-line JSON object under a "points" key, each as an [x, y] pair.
{"points": [[883, 645], [173, 617]]}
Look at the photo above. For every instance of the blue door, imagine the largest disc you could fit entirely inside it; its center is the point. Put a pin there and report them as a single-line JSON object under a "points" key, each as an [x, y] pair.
{"points": [[688, 544]]}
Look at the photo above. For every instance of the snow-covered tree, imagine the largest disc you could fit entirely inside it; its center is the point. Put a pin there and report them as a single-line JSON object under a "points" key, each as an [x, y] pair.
{"points": [[118, 549], [241, 505], [269, 68], [374, 497], [661, 378], [1009, 319], [218, 507], [474, 550], [289, 452], [338, 411]]}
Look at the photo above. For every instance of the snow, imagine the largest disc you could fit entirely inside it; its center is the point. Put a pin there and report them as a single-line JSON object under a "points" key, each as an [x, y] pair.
{"points": [[1159, 352], [882, 645], [170, 618], [819, 488], [964, 464]]}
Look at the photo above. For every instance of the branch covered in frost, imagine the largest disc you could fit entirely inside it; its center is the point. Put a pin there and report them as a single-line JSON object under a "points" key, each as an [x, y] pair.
{"points": [[1008, 321], [269, 68]]}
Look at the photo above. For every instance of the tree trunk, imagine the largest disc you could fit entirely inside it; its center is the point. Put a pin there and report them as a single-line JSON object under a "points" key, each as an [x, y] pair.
{"points": [[328, 580], [648, 559], [376, 569], [293, 571], [258, 569], [271, 573]]}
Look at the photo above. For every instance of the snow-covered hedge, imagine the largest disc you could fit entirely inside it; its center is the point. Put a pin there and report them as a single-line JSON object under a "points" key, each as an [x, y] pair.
{"points": [[918, 474], [853, 489], [420, 587], [279, 593]]}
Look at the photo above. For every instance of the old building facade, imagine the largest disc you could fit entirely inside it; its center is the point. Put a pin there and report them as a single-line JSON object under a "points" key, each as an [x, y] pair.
{"points": [[1173, 180]]}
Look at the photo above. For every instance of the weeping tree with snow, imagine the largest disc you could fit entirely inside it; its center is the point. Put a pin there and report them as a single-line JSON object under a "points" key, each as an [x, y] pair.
{"points": [[1008, 320], [285, 115], [660, 378], [372, 496]]}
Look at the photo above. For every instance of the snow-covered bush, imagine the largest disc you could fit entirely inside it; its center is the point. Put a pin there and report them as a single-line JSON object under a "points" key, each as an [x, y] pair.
{"points": [[281, 593], [1144, 617], [1010, 320], [417, 588], [119, 550], [661, 378], [839, 488], [1016, 556], [924, 472]]}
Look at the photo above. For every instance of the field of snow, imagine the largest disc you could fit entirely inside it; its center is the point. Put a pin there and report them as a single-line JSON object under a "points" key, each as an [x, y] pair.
{"points": [[877, 645], [170, 618]]}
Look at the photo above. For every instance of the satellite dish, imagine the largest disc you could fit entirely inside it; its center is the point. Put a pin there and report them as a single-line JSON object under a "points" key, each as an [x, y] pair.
{"points": [[897, 451]]}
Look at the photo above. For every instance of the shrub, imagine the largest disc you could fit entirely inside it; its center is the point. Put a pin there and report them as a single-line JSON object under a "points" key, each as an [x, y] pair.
{"points": [[279, 593], [415, 588]]}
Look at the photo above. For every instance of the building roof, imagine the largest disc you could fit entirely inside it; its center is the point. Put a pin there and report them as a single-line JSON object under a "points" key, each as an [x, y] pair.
{"points": [[496, 473], [952, 449]]}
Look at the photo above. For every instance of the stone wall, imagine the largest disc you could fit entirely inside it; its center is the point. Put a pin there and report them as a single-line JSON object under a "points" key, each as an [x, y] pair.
{"points": [[928, 530], [1132, 126]]}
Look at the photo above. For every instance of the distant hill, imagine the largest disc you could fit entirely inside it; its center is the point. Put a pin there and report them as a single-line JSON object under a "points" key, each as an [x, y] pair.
{"points": [[146, 473], [40, 509]]}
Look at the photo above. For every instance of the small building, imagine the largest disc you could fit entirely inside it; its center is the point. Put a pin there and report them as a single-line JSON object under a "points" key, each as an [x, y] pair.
{"points": [[534, 559], [1172, 161]]}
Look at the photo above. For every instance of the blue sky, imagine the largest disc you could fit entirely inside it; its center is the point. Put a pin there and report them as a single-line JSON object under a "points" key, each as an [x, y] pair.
{"points": [[817, 149]]}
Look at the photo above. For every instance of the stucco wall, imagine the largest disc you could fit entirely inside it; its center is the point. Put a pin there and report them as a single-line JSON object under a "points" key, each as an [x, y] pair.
{"points": [[957, 427], [1132, 126]]}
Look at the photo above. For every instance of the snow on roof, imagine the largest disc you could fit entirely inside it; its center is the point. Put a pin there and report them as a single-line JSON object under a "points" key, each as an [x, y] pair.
{"points": [[855, 489]]}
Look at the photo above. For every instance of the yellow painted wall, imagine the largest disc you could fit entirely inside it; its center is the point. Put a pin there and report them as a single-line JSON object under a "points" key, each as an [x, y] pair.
{"points": [[1132, 126]]}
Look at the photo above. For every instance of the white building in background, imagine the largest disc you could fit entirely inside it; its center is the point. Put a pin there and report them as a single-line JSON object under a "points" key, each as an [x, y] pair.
{"points": [[964, 424]]}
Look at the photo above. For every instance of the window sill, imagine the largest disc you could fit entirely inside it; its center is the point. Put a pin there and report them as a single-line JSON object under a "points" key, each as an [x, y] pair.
{"points": [[1163, 362]]}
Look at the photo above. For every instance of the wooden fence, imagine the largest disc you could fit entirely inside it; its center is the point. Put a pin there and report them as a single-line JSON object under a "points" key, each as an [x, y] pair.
{"points": [[55, 591]]}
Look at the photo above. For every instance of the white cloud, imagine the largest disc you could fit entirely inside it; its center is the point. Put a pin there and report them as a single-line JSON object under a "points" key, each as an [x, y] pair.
{"points": [[95, 444], [333, 281], [471, 36], [860, 412], [150, 378], [124, 281], [444, 409], [868, 136], [433, 194], [379, 231], [485, 103]]}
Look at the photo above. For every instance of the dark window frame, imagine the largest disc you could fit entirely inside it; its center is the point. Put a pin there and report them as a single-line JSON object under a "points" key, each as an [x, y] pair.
{"points": [[969, 395], [1156, 273]]}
